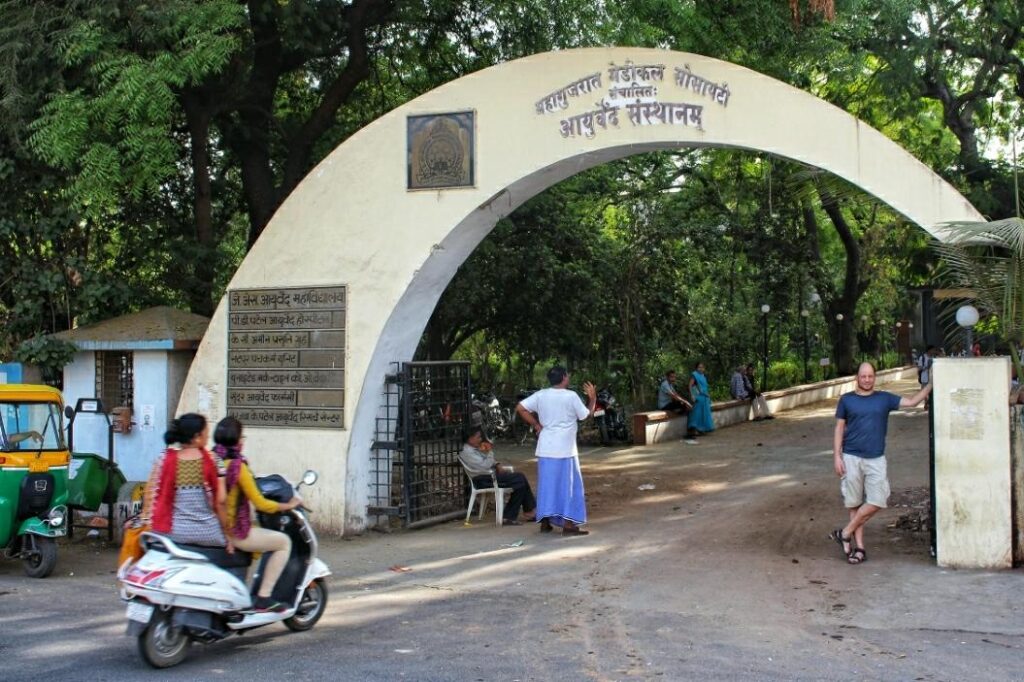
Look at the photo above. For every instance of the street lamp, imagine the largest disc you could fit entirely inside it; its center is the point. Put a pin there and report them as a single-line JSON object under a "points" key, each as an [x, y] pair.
{"points": [[765, 309], [805, 313], [839, 349], [967, 317]]}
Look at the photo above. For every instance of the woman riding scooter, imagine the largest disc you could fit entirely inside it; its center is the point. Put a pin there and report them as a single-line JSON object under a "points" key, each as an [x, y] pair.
{"points": [[241, 490], [188, 503]]}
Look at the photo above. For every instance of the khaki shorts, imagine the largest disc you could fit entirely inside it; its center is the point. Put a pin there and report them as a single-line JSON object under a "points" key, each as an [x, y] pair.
{"points": [[866, 481]]}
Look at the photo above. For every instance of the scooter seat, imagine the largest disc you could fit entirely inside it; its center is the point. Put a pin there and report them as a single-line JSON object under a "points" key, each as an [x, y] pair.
{"points": [[220, 557]]}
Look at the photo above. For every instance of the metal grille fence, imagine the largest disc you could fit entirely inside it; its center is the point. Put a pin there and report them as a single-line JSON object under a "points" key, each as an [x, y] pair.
{"points": [[416, 475]]}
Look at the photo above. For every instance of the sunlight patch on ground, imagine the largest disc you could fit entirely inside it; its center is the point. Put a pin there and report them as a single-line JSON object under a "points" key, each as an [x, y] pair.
{"points": [[716, 464], [498, 563], [623, 466], [710, 487], [649, 498], [407, 591]]}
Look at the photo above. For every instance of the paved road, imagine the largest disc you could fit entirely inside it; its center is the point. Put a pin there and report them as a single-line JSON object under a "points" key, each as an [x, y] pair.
{"points": [[721, 572]]}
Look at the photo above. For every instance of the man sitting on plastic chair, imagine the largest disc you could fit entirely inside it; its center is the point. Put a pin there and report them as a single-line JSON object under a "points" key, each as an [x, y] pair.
{"points": [[478, 460]]}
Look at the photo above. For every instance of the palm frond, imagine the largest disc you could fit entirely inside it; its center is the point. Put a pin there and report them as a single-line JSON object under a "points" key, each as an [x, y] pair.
{"points": [[988, 259]]}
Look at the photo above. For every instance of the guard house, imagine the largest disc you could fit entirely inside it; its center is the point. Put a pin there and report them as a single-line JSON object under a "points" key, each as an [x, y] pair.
{"points": [[137, 365]]}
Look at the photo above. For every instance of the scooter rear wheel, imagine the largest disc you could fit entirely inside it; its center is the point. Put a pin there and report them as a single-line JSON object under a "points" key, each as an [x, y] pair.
{"points": [[311, 607], [161, 644]]}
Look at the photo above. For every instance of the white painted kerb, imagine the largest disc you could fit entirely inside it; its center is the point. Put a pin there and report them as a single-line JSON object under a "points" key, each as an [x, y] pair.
{"points": [[352, 222]]}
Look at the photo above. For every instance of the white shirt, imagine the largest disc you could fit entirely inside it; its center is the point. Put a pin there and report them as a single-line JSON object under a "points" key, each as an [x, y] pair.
{"points": [[558, 410]]}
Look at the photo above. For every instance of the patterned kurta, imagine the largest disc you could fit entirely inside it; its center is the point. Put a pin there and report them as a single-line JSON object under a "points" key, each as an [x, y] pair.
{"points": [[194, 521]]}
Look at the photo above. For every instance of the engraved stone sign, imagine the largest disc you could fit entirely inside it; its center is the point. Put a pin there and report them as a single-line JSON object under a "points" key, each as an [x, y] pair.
{"points": [[286, 357]]}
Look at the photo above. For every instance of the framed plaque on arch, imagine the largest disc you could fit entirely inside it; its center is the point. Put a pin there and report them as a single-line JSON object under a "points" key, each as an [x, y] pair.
{"points": [[441, 151]]}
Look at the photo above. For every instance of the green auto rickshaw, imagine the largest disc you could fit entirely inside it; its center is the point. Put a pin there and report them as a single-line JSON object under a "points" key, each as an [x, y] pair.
{"points": [[33, 475]]}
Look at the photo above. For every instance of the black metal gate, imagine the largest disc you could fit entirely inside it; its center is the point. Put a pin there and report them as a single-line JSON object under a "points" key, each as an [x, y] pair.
{"points": [[416, 475]]}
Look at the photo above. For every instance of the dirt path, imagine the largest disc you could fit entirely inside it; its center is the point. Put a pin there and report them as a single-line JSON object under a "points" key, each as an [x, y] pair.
{"points": [[722, 572]]}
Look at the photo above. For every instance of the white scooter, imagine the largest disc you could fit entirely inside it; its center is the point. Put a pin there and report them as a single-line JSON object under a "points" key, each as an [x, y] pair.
{"points": [[179, 593]]}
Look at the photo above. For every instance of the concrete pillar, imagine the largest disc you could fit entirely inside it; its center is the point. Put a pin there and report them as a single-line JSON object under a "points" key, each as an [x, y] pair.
{"points": [[1017, 476], [972, 462]]}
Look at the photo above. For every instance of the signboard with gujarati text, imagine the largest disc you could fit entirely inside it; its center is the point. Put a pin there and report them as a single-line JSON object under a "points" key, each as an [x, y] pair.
{"points": [[286, 357]]}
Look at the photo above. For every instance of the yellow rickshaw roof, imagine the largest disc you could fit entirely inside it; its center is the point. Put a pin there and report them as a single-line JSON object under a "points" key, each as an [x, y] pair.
{"points": [[33, 392]]}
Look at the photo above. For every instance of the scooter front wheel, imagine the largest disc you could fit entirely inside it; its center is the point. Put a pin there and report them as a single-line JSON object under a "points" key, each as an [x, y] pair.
{"points": [[311, 607], [161, 644], [41, 559]]}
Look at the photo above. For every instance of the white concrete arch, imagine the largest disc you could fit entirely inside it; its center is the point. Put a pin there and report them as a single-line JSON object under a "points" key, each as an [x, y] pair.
{"points": [[352, 221]]}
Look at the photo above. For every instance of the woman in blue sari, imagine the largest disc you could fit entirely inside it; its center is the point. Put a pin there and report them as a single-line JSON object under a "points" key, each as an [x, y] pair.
{"points": [[700, 416]]}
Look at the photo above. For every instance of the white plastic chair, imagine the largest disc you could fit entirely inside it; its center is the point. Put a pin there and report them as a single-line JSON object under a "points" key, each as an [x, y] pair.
{"points": [[499, 498]]}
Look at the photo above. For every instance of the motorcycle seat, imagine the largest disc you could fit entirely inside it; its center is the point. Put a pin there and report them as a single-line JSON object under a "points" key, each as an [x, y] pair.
{"points": [[220, 557]]}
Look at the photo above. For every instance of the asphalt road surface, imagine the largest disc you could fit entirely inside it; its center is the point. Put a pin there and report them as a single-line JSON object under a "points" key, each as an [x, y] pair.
{"points": [[720, 572]]}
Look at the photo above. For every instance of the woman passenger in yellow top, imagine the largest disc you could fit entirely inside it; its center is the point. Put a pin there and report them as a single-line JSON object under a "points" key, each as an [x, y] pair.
{"points": [[241, 490]]}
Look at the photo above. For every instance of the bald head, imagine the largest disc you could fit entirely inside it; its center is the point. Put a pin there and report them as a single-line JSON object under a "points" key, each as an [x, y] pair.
{"points": [[865, 378]]}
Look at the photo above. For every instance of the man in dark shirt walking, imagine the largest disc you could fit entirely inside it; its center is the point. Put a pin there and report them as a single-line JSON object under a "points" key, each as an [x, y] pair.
{"points": [[858, 453]]}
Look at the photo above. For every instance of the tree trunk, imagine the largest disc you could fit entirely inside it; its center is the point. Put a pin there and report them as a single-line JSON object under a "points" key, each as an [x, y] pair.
{"points": [[200, 285], [841, 333], [248, 132]]}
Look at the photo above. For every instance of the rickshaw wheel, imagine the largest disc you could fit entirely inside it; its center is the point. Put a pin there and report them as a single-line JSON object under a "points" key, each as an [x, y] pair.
{"points": [[40, 562]]}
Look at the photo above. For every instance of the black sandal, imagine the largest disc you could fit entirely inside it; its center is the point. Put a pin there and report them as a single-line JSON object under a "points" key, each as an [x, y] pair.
{"points": [[857, 556], [575, 530], [545, 526], [837, 537]]}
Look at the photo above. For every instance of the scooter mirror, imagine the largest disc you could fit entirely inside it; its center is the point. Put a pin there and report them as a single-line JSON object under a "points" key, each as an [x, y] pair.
{"points": [[69, 411], [309, 478]]}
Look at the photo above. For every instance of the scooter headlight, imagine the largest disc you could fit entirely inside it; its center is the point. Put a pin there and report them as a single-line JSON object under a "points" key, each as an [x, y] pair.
{"points": [[56, 516]]}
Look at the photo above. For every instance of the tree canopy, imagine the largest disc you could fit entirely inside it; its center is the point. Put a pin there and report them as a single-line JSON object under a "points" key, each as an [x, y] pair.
{"points": [[145, 147]]}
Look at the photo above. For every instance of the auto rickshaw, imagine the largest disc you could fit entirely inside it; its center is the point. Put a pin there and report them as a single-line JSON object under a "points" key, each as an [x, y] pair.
{"points": [[33, 476]]}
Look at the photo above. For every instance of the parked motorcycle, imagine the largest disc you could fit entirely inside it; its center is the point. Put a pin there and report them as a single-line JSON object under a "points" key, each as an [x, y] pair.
{"points": [[609, 418], [495, 419], [521, 431], [178, 593]]}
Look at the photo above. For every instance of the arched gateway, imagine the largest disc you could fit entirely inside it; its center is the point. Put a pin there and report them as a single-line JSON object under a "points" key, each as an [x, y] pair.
{"points": [[359, 254]]}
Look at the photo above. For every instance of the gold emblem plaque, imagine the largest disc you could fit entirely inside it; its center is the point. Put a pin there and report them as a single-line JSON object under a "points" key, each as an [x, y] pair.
{"points": [[441, 151]]}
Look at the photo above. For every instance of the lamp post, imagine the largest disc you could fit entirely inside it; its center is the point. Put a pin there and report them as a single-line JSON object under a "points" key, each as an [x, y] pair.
{"points": [[899, 355], [805, 313], [765, 309], [967, 317], [839, 349]]}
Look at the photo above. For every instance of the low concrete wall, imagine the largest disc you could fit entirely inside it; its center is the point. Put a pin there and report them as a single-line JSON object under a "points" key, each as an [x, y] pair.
{"points": [[672, 428], [738, 411]]}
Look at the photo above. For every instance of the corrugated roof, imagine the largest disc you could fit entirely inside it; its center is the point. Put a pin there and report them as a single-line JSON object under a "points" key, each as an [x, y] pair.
{"points": [[156, 328]]}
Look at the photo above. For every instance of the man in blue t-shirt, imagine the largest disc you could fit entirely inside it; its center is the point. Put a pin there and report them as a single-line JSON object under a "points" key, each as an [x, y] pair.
{"points": [[670, 401], [858, 453]]}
